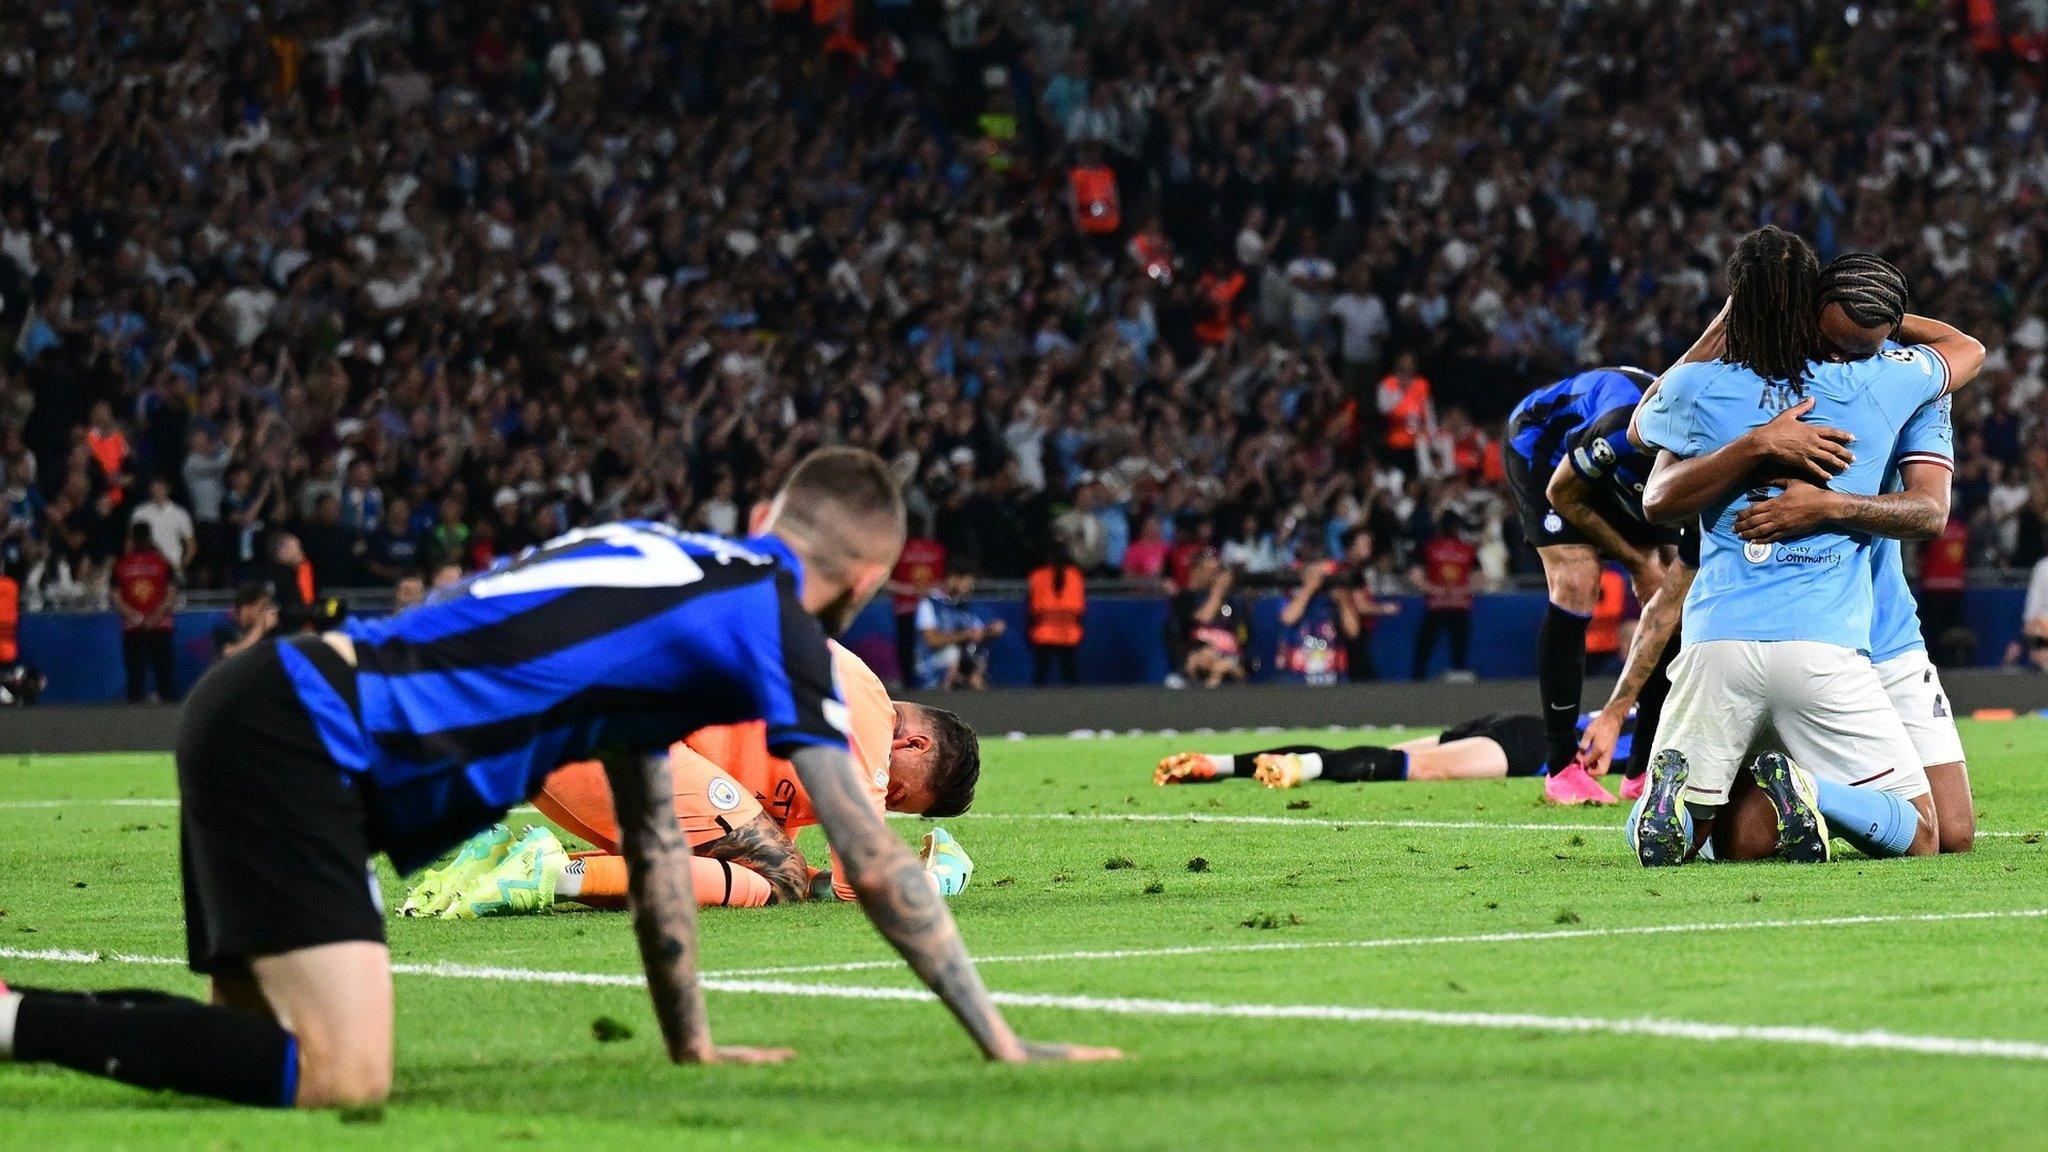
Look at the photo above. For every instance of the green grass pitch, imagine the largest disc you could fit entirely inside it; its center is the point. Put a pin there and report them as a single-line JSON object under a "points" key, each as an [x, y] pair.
{"points": [[1507, 1027]]}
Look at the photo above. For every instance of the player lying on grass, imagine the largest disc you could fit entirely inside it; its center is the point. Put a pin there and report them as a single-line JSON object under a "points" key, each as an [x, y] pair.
{"points": [[1858, 295], [299, 760], [739, 806], [1487, 748], [1777, 635]]}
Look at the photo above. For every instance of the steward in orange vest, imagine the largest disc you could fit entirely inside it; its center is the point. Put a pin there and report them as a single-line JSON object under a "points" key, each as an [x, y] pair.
{"points": [[1055, 600]]}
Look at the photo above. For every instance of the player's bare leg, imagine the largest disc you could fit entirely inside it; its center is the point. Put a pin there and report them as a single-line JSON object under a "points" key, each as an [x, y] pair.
{"points": [[309, 1028], [1473, 758], [1955, 810], [336, 1000]]}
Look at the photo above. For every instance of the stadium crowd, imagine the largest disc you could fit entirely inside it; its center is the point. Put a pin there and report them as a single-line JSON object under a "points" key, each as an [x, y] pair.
{"points": [[403, 287]]}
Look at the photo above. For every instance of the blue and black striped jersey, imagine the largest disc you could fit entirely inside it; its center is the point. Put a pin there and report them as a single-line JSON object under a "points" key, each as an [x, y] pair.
{"points": [[628, 634], [1584, 418], [1542, 424]]}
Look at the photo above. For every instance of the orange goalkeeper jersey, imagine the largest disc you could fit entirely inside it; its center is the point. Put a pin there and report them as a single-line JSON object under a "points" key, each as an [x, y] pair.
{"points": [[578, 798]]}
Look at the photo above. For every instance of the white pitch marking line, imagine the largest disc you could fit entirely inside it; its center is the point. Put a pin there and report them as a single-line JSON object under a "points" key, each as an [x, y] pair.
{"points": [[1692, 1030], [1413, 941], [1284, 821], [1079, 817]]}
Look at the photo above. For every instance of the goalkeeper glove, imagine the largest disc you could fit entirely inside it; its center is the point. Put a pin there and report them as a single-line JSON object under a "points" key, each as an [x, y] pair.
{"points": [[947, 862]]}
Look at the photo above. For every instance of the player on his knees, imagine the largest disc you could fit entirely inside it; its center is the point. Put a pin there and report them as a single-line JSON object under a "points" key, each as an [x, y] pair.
{"points": [[1487, 748], [1777, 631], [1862, 303], [301, 760]]}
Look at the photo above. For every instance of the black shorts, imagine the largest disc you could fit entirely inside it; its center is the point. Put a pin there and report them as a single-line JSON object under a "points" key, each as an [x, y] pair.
{"points": [[1519, 734], [275, 846], [1543, 526]]}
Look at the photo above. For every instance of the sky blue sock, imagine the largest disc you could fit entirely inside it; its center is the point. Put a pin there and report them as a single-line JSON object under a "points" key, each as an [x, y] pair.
{"points": [[1876, 823]]}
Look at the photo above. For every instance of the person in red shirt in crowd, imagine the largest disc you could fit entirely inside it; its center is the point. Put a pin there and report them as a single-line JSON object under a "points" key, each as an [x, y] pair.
{"points": [[1092, 195], [917, 572], [1444, 575], [1944, 568], [145, 596], [1458, 447], [1219, 318]]}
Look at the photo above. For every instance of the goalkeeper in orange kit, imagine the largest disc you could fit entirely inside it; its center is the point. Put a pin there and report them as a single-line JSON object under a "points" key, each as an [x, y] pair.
{"points": [[739, 807]]}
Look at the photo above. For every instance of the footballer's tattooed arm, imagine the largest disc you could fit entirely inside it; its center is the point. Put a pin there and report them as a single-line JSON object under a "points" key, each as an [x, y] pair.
{"points": [[904, 903], [1919, 512], [763, 846], [1660, 620], [1572, 496], [664, 906]]}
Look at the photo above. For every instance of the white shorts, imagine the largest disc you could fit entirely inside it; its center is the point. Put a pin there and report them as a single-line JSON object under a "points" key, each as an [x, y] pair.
{"points": [[1822, 704], [1916, 692]]}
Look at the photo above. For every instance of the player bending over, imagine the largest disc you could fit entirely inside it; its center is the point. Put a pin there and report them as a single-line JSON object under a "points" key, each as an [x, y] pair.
{"points": [[739, 806], [299, 760], [1487, 748], [1577, 484], [1776, 634]]}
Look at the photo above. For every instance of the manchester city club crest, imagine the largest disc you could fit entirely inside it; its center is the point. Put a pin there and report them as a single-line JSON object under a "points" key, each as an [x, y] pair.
{"points": [[723, 795]]}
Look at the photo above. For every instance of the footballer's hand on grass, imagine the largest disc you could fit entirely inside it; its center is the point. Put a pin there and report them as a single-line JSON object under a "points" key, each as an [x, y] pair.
{"points": [[1799, 509], [1038, 1052], [738, 1054], [1811, 450]]}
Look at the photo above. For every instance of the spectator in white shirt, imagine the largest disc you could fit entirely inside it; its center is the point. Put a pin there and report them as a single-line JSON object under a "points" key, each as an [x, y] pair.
{"points": [[1362, 325], [170, 527], [1310, 274]]}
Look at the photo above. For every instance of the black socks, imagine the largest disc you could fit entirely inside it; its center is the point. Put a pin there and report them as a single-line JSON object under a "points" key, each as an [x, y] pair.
{"points": [[1561, 678], [153, 1040]]}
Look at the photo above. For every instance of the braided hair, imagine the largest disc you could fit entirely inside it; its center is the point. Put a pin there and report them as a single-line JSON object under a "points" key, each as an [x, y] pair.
{"points": [[1773, 329], [1870, 291]]}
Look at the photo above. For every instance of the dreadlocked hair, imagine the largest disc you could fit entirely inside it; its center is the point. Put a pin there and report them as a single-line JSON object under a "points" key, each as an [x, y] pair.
{"points": [[1773, 330], [1870, 291]]}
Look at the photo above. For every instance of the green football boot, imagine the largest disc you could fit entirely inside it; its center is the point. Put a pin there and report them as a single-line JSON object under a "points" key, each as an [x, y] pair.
{"points": [[437, 887]]}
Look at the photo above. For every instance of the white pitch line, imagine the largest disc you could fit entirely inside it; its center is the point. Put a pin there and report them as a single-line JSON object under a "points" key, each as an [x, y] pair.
{"points": [[1413, 941], [1691, 1030], [1088, 818], [1283, 821], [1698, 1031]]}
